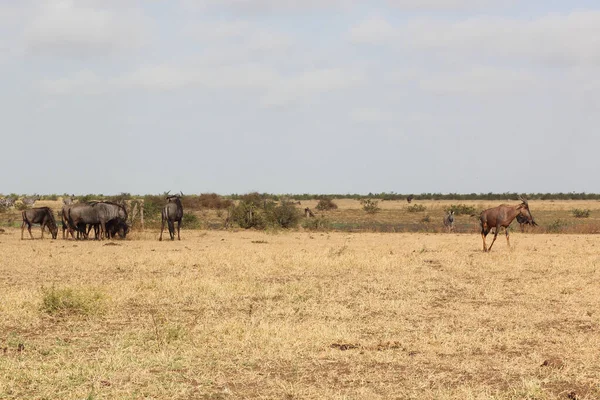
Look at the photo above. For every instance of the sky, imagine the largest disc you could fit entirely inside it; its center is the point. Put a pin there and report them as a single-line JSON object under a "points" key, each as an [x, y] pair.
{"points": [[311, 96]]}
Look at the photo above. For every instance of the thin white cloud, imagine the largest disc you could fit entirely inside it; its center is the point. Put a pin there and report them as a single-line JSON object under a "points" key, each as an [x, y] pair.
{"points": [[368, 115], [262, 6], [269, 86], [69, 27], [372, 30], [445, 5]]}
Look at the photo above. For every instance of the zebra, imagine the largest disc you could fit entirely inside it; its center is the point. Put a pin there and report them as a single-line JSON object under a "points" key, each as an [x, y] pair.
{"points": [[30, 201], [449, 221], [7, 202], [67, 201]]}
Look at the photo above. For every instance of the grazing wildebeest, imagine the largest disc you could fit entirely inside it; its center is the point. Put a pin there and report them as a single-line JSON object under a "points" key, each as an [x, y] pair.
{"points": [[172, 211], [409, 198], [42, 216], [308, 213], [449, 221], [502, 216], [95, 213], [30, 201], [523, 221]]}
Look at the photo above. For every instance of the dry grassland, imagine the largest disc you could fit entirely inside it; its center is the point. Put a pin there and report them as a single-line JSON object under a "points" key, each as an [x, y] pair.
{"points": [[231, 315]]}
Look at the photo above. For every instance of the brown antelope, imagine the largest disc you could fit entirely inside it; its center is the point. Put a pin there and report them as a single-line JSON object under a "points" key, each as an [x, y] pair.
{"points": [[449, 221], [502, 216], [308, 213], [409, 198]]}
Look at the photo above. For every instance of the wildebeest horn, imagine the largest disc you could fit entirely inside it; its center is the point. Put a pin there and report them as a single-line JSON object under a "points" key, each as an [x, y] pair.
{"points": [[181, 193]]}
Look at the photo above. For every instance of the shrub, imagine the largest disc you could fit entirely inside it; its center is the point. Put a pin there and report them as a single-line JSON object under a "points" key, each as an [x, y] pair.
{"points": [[326, 204], [191, 221], [370, 206], [51, 197], [285, 215], [416, 208], [556, 226], [462, 209], [316, 224], [21, 206], [247, 215], [426, 219], [67, 301], [577, 213]]}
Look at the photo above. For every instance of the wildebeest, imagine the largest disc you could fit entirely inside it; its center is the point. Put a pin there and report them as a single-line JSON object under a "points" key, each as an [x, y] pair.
{"points": [[523, 221], [93, 213], [172, 211], [42, 216], [502, 216], [409, 198], [449, 220]]}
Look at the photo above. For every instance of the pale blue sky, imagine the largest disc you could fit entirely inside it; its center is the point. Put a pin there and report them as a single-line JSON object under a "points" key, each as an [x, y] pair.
{"points": [[282, 96]]}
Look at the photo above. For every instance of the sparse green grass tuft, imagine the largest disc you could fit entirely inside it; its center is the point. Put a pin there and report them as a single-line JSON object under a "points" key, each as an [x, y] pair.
{"points": [[67, 301], [581, 213], [416, 208]]}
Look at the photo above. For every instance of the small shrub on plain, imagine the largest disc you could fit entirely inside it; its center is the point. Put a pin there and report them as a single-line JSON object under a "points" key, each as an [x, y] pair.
{"points": [[416, 208], [579, 213], [462, 209], [67, 301], [326, 204], [370, 206]]}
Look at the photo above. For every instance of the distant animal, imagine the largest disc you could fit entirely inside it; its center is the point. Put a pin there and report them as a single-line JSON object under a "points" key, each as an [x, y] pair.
{"points": [[502, 216], [67, 201], [409, 198], [308, 213], [42, 216], [7, 202], [172, 212], [523, 221], [449, 221], [30, 201]]}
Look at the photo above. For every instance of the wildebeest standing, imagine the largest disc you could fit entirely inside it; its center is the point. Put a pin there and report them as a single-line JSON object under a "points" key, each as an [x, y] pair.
{"points": [[42, 216], [95, 213], [172, 211], [502, 216], [523, 221], [409, 198], [449, 221]]}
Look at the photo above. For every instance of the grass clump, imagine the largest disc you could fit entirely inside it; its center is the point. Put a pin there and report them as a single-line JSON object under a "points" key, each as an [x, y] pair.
{"points": [[556, 226], [326, 204], [581, 213], [67, 301], [416, 208]]}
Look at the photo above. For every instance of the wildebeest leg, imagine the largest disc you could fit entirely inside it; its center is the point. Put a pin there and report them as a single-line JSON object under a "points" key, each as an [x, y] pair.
{"points": [[162, 227], [102, 229], [178, 228], [23, 228], [495, 236], [171, 225]]}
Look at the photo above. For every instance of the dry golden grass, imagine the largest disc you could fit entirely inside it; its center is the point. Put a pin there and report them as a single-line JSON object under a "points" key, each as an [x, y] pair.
{"points": [[228, 315]]}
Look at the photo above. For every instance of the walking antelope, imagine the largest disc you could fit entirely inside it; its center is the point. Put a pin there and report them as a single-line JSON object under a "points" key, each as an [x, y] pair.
{"points": [[502, 216]]}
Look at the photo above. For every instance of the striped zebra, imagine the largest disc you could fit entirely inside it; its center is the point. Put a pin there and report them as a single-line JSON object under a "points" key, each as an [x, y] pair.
{"points": [[30, 201], [7, 202], [449, 221]]}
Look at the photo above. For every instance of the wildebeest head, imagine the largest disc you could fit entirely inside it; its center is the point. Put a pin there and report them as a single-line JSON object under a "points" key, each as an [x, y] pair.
{"points": [[524, 211]]}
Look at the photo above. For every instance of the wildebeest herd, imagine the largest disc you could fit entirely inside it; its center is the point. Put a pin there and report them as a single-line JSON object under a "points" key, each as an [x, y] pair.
{"points": [[109, 219]]}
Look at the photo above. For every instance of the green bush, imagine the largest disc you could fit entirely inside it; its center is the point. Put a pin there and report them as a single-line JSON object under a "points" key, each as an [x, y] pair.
{"points": [[316, 224], [326, 204], [285, 215], [370, 206], [577, 213], [462, 209], [416, 208], [191, 221], [247, 215], [556, 226]]}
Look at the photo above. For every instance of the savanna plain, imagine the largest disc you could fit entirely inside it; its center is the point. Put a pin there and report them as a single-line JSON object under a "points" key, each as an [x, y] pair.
{"points": [[232, 314]]}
